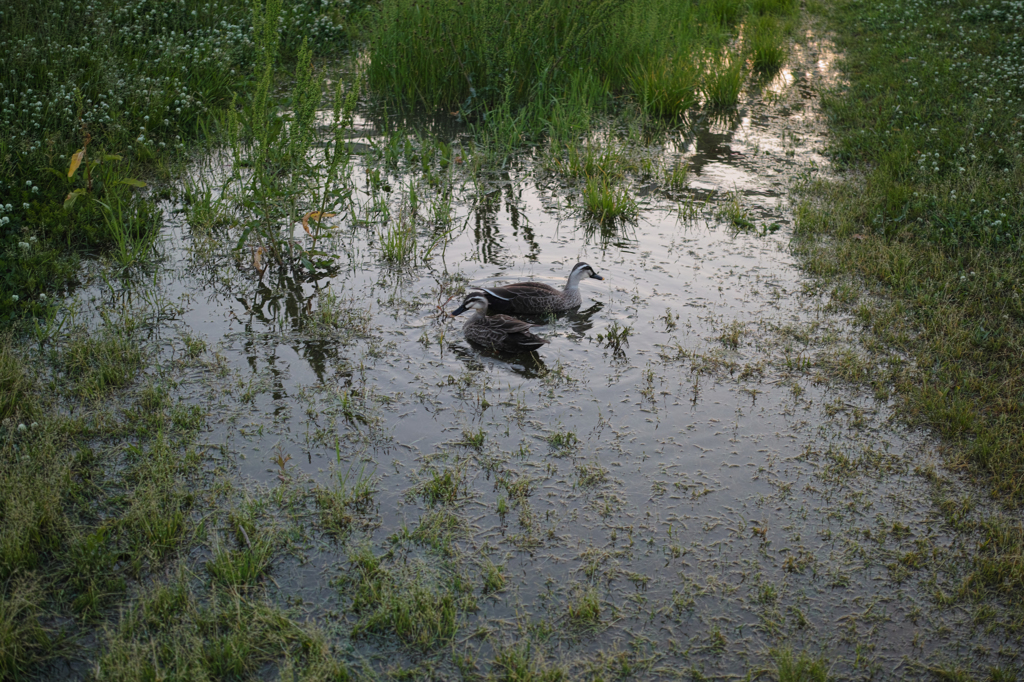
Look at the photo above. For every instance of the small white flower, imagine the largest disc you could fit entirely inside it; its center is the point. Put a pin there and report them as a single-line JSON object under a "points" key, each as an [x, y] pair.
{"points": [[25, 206], [42, 297], [14, 298], [22, 428], [28, 183], [25, 246]]}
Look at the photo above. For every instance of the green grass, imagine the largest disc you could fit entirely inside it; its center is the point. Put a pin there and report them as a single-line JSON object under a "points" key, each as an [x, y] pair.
{"points": [[766, 42], [928, 220], [418, 606], [546, 67], [127, 87], [723, 81], [801, 667], [930, 126], [606, 203]]}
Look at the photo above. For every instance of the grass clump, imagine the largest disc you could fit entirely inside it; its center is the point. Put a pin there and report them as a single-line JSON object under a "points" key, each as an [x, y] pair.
{"points": [[723, 81], [245, 566], [411, 601], [766, 42], [606, 203], [584, 607], [524, 661], [802, 667], [353, 496], [16, 386]]}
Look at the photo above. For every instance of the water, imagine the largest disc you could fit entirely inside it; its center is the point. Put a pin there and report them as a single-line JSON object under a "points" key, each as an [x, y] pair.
{"points": [[710, 479]]}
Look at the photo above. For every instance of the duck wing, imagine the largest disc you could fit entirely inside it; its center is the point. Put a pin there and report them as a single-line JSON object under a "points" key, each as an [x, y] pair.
{"points": [[516, 297], [507, 325]]}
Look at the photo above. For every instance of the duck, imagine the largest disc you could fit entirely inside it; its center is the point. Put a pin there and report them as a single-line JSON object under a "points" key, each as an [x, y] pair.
{"points": [[533, 298], [497, 332]]}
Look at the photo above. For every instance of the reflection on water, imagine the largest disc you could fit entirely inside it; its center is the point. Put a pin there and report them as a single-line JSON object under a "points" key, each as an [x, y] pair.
{"points": [[686, 456]]}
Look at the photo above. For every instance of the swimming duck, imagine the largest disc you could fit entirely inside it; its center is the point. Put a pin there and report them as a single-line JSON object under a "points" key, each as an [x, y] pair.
{"points": [[533, 298], [497, 332]]}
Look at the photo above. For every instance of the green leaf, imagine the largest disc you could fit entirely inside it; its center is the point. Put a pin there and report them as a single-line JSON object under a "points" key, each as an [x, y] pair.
{"points": [[72, 197], [131, 181], [245, 235]]}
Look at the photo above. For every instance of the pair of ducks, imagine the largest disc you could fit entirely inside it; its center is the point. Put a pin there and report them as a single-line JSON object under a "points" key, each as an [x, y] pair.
{"points": [[504, 333]]}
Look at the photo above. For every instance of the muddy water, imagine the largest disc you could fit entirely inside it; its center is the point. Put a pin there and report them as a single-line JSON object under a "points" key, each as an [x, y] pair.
{"points": [[707, 477]]}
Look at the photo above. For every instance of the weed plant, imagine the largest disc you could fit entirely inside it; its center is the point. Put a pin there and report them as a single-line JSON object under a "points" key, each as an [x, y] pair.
{"points": [[723, 80]]}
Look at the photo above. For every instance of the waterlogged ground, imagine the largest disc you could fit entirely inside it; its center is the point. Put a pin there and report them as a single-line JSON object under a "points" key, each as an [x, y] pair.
{"points": [[690, 475]]}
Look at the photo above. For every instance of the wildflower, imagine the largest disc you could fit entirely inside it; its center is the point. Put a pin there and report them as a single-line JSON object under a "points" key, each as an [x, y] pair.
{"points": [[22, 428], [24, 246], [14, 298], [42, 297], [25, 206]]}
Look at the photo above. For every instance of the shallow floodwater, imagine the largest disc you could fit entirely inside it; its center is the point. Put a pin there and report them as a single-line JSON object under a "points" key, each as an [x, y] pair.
{"points": [[708, 477]]}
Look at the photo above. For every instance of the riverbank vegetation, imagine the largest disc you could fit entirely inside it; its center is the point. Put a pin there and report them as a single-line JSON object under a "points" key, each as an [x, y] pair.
{"points": [[928, 135]]}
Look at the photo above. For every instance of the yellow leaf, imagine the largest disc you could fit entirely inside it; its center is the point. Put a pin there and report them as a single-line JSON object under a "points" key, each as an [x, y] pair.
{"points": [[314, 215], [76, 161], [257, 261]]}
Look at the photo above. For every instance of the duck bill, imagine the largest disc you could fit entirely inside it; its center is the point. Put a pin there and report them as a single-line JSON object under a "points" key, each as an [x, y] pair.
{"points": [[458, 311], [597, 276]]}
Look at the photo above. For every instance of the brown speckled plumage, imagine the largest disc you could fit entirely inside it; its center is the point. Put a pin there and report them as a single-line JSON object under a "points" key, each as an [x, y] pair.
{"points": [[497, 332]]}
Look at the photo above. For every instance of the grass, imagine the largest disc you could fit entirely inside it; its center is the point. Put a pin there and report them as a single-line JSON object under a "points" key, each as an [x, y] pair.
{"points": [[529, 69], [801, 667], [410, 602], [936, 147], [606, 203], [927, 217], [87, 83], [723, 81], [766, 43]]}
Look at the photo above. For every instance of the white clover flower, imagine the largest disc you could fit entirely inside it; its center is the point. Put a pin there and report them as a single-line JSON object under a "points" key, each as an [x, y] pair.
{"points": [[42, 297], [26, 206], [24, 246], [22, 428]]}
